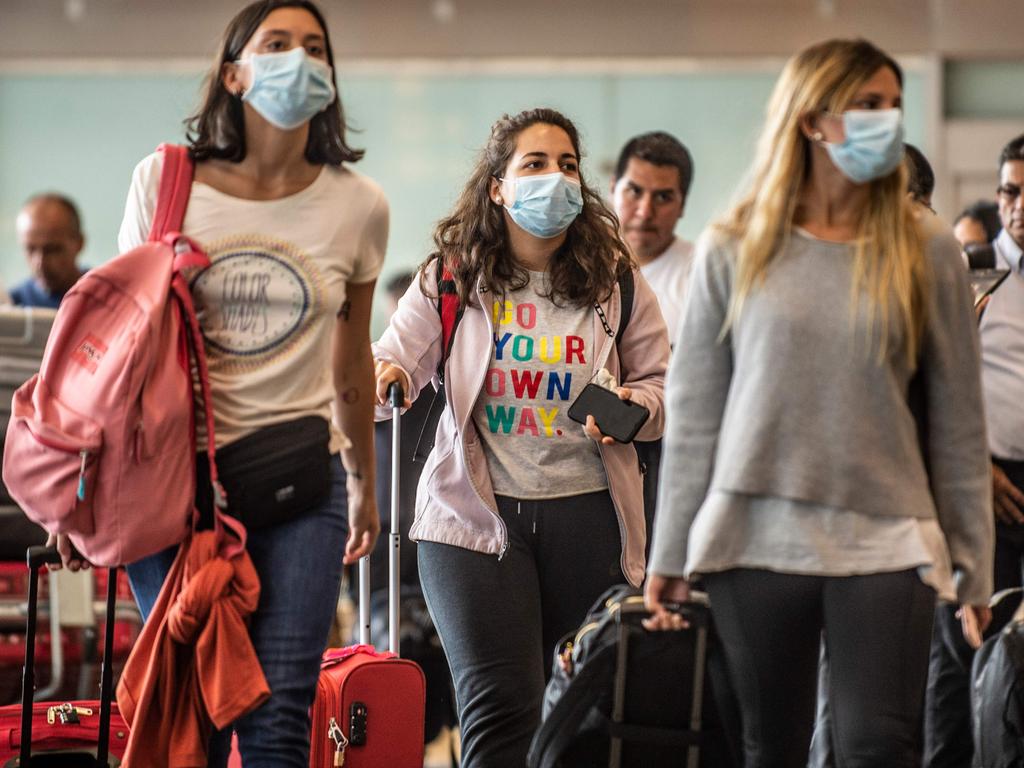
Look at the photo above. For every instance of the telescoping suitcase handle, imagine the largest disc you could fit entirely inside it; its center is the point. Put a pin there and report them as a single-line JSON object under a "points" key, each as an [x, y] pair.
{"points": [[36, 558], [396, 397]]}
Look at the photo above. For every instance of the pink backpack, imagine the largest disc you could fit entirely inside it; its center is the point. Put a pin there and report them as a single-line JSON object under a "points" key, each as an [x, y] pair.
{"points": [[101, 442]]}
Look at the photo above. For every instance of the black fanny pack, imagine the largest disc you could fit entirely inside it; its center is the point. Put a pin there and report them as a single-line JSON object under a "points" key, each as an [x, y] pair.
{"points": [[272, 475]]}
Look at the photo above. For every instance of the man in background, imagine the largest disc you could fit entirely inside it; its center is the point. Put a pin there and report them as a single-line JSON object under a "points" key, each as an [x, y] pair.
{"points": [[49, 231], [947, 702], [652, 179]]}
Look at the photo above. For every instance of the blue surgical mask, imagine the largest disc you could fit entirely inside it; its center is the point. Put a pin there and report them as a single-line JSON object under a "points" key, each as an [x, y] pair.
{"points": [[546, 205], [289, 88], [874, 144]]}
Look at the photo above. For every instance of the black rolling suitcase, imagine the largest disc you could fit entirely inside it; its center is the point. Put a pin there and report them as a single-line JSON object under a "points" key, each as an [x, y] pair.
{"points": [[75, 734], [623, 696]]}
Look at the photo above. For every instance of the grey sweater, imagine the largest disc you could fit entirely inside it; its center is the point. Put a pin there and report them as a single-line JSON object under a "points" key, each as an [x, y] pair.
{"points": [[794, 403]]}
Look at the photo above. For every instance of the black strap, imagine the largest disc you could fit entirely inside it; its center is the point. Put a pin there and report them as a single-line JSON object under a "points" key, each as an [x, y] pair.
{"points": [[626, 290]]}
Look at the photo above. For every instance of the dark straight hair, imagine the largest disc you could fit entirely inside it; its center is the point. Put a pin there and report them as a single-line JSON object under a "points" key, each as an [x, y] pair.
{"points": [[217, 130]]}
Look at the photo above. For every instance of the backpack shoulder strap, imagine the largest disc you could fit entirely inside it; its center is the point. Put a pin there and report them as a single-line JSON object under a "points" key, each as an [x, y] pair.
{"points": [[626, 290], [450, 311], [175, 185]]}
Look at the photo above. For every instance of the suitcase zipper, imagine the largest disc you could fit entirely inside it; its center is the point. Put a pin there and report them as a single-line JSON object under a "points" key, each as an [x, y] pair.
{"points": [[67, 712]]}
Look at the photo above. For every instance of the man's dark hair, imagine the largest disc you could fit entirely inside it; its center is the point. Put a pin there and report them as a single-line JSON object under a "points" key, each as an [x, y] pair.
{"points": [[921, 183], [399, 284], [65, 202], [217, 129], [986, 213], [659, 148], [1014, 150]]}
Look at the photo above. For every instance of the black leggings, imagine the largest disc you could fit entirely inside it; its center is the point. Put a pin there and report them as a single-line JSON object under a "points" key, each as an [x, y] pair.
{"points": [[877, 628], [499, 621]]}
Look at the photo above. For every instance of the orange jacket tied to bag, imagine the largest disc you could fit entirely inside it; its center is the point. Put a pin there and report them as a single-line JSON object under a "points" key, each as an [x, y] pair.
{"points": [[194, 667]]}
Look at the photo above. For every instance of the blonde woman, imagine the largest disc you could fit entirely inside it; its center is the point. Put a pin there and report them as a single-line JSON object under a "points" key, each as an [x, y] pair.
{"points": [[798, 480]]}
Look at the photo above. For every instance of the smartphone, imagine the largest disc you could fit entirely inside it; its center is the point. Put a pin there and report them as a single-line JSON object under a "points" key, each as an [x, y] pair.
{"points": [[617, 418], [985, 281]]}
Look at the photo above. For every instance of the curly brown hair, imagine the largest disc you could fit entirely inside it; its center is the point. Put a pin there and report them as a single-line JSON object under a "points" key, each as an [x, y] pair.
{"points": [[472, 240]]}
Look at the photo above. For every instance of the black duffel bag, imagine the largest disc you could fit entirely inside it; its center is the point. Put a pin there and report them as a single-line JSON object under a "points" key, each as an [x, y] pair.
{"points": [[997, 694], [621, 695]]}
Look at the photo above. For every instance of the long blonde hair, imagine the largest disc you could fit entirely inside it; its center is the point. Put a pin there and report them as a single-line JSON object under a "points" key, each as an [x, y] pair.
{"points": [[889, 264]]}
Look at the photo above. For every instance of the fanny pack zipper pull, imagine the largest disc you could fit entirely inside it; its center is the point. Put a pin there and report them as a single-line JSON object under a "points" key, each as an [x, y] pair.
{"points": [[81, 475]]}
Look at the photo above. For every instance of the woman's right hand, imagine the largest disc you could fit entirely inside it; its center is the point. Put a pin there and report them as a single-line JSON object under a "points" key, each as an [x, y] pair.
{"points": [[659, 590], [974, 620], [68, 555], [387, 374]]}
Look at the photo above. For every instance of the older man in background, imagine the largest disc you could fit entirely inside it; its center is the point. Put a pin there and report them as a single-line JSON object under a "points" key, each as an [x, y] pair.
{"points": [[49, 231]]}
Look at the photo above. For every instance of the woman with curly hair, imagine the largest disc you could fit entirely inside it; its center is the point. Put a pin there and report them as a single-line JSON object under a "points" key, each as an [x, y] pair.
{"points": [[523, 517]]}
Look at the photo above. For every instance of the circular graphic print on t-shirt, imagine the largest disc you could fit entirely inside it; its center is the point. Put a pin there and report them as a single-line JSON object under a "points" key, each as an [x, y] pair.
{"points": [[256, 300]]}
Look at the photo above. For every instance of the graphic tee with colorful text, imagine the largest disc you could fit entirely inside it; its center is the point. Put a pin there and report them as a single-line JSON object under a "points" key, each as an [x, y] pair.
{"points": [[542, 359]]}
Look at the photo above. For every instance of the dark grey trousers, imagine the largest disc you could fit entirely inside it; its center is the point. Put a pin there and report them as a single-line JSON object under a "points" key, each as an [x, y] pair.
{"points": [[878, 628], [499, 620]]}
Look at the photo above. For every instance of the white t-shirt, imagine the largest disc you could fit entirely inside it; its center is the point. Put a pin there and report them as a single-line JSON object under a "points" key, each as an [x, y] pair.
{"points": [[668, 275], [541, 362], [269, 301]]}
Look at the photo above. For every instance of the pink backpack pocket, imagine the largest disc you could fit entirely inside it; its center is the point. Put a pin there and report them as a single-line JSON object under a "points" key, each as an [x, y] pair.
{"points": [[60, 448]]}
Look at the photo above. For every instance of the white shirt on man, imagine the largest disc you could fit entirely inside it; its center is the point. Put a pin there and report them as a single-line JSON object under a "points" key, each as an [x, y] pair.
{"points": [[668, 275], [1002, 354]]}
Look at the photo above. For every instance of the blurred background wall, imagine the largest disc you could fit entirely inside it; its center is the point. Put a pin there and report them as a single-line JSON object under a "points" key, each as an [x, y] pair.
{"points": [[89, 87]]}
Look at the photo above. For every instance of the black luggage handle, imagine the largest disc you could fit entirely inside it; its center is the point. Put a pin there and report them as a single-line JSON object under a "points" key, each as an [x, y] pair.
{"points": [[36, 558], [396, 395]]}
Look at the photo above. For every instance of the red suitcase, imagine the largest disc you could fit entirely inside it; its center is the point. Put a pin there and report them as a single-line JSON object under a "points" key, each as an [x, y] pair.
{"points": [[370, 705], [76, 733]]}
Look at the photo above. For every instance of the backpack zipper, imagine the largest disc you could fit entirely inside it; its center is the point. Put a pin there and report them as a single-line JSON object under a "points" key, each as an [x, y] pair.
{"points": [[81, 475]]}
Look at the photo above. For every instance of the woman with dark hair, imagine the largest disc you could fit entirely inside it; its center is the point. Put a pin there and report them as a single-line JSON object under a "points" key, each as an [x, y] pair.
{"points": [[296, 240], [815, 475], [523, 517], [978, 223]]}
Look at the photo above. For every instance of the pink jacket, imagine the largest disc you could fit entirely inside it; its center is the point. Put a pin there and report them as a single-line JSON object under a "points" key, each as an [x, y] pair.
{"points": [[455, 501]]}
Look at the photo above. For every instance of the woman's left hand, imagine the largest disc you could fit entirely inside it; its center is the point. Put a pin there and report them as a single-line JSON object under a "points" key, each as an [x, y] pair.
{"points": [[363, 520], [590, 428]]}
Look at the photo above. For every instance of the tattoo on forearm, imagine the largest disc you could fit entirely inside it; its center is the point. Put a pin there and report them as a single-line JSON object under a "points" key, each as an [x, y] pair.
{"points": [[350, 396], [345, 310]]}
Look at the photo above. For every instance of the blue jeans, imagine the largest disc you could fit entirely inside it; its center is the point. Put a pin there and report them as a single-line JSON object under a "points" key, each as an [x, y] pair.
{"points": [[299, 564]]}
